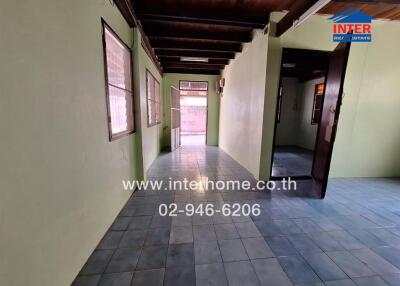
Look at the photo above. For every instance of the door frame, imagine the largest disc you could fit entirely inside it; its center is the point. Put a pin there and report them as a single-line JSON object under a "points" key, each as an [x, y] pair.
{"points": [[208, 90], [171, 116], [298, 177]]}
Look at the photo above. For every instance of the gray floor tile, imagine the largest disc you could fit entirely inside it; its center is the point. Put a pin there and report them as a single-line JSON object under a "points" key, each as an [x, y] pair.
{"points": [[303, 243], [87, 280], [349, 264], [124, 260], [232, 250], [204, 232], [298, 270], [97, 262], [370, 281], [180, 276], [326, 242], [226, 231], [391, 254], [154, 277], [182, 220], [374, 261], [256, 247], [132, 238], [241, 273], [113, 279], [140, 222], [152, 257], [157, 236], [121, 223], [345, 282], [270, 272], [281, 246], [110, 240], [391, 279], [211, 275], [247, 229], [206, 252], [181, 234], [324, 267], [180, 254], [348, 241]]}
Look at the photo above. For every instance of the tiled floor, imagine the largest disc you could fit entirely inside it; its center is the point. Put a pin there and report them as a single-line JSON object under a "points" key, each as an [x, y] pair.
{"points": [[190, 140], [352, 237], [291, 161]]}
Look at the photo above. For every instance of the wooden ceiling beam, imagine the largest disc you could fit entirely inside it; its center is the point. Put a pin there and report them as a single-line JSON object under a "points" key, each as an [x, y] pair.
{"points": [[193, 53], [227, 22], [174, 59], [191, 44], [295, 11], [197, 31], [192, 71], [192, 65]]}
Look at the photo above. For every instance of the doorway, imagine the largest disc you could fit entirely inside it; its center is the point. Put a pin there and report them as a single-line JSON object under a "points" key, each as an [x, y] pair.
{"points": [[193, 112], [299, 104], [307, 115]]}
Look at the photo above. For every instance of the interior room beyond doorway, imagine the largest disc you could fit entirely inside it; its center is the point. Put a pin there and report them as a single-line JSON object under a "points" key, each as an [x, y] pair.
{"points": [[300, 99]]}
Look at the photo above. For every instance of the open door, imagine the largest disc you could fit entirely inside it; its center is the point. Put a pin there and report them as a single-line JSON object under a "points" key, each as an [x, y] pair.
{"points": [[175, 119], [329, 118]]}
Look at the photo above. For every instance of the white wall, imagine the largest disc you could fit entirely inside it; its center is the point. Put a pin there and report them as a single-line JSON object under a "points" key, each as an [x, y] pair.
{"points": [[241, 107]]}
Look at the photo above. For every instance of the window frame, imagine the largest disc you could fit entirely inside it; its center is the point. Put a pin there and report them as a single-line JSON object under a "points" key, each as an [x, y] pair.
{"points": [[193, 89], [313, 120], [115, 136], [147, 99]]}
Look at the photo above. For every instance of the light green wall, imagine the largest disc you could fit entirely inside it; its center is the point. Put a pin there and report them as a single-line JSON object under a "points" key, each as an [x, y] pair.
{"points": [[368, 138], [242, 104], [274, 57], [150, 136], [368, 141], [287, 127], [172, 79], [60, 177]]}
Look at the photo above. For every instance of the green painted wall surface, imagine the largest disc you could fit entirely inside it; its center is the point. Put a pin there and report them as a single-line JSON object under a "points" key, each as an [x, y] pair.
{"points": [[242, 104], [151, 136], [368, 141], [172, 79], [273, 65], [60, 177]]}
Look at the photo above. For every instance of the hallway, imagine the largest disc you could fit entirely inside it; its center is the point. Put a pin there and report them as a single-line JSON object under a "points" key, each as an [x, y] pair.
{"points": [[353, 235]]}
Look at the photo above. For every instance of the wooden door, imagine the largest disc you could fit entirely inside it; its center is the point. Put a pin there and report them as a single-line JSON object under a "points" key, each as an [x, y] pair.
{"points": [[175, 119], [329, 118]]}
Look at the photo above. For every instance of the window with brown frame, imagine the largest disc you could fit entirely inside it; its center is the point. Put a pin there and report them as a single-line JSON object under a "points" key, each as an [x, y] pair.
{"points": [[317, 105], [118, 76], [153, 100]]}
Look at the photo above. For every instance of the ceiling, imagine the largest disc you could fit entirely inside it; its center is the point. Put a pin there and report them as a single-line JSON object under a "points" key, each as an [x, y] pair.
{"points": [[215, 30], [304, 64]]}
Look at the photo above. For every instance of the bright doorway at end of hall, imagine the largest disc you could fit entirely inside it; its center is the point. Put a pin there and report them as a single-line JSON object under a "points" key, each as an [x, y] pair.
{"points": [[193, 112]]}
